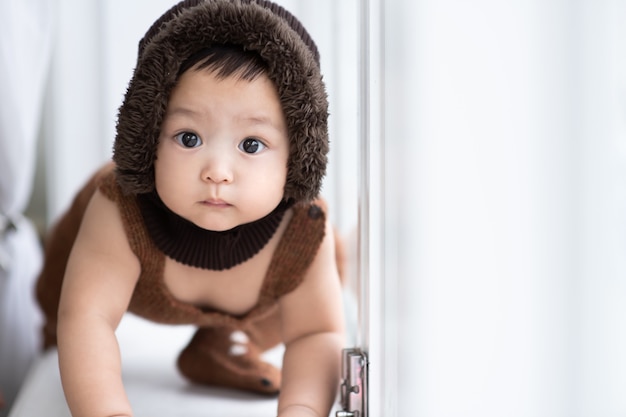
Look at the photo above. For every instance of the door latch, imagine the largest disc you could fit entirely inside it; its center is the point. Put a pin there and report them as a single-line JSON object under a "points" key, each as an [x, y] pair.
{"points": [[354, 372]]}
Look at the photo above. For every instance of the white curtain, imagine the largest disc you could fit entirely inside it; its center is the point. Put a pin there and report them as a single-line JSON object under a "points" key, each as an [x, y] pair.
{"points": [[25, 43]]}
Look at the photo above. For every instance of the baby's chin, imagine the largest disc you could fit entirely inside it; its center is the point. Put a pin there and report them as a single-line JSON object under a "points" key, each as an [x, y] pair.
{"points": [[217, 228], [221, 227], [225, 219]]}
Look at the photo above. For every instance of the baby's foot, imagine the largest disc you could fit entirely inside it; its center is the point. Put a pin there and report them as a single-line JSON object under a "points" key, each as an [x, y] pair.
{"points": [[226, 357]]}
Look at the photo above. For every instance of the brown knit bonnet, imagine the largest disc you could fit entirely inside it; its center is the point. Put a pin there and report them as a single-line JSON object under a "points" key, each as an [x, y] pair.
{"points": [[256, 25]]}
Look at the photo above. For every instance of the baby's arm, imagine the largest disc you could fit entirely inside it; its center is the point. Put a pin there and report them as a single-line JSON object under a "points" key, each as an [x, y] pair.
{"points": [[313, 331], [101, 274]]}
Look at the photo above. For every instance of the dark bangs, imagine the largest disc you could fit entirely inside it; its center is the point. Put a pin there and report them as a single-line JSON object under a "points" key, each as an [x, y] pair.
{"points": [[226, 61]]}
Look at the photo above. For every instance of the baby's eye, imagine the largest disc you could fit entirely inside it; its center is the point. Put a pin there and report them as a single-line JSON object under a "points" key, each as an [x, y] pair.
{"points": [[251, 145], [188, 139]]}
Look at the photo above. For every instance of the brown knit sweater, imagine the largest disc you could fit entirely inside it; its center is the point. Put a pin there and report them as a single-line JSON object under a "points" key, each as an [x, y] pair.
{"points": [[151, 298]]}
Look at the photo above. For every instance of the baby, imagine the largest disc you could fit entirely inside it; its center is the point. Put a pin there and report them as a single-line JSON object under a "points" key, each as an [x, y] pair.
{"points": [[208, 215]]}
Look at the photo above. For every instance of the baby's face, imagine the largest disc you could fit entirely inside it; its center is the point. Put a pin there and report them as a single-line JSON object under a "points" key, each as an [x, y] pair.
{"points": [[223, 150]]}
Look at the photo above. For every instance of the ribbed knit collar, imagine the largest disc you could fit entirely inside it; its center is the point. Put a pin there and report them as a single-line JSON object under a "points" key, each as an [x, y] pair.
{"points": [[191, 245]]}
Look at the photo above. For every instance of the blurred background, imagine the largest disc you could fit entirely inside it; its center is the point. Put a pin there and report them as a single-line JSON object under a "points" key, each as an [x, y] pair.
{"points": [[504, 228], [479, 149]]}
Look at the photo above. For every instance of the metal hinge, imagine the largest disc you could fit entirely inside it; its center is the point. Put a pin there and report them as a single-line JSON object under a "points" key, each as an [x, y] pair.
{"points": [[354, 384]]}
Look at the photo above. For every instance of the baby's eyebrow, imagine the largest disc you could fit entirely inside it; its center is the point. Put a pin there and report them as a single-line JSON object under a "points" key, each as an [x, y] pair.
{"points": [[260, 119], [185, 111], [257, 119]]}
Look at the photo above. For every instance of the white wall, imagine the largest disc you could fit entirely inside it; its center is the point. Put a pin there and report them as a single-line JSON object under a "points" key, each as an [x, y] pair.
{"points": [[505, 209]]}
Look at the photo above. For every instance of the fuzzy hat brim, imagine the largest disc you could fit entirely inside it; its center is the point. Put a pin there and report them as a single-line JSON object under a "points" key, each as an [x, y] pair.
{"points": [[258, 26]]}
